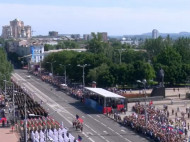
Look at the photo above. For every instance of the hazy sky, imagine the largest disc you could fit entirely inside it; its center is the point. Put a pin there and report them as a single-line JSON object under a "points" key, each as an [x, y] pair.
{"points": [[117, 17]]}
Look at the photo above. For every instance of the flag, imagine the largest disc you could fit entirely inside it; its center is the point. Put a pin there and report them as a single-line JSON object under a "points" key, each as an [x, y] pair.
{"points": [[163, 127], [79, 138], [80, 120], [170, 127], [180, 131], [151, 102]]}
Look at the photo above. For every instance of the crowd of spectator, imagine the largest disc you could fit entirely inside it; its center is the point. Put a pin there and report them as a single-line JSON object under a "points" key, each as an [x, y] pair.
{"points": [[156, 124]]}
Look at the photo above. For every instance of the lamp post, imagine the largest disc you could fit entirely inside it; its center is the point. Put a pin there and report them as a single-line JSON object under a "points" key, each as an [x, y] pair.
{"points": [[51, 66], [83, 66], [65, 71], [144, 83], [120, 53]]}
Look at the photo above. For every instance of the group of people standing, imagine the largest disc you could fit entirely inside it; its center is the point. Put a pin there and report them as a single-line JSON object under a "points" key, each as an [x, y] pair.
{"points": [[155, 123]]}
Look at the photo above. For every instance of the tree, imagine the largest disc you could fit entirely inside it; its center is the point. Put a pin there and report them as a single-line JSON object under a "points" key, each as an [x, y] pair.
{"points": [[170, 61], [142, 71], [182, 46], [96, 45], [101, 75]]}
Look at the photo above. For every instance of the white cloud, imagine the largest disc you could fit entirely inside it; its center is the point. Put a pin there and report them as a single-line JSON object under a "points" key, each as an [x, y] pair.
{"points": [[114, 20]]}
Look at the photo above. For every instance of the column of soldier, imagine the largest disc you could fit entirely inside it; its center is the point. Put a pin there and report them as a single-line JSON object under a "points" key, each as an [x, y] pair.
{"points": [[40, 124], [31, 106], [155, 124], [46, 128]]}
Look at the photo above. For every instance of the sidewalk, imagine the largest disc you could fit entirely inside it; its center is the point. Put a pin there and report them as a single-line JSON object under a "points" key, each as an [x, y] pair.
{"points": [[6, 135]]}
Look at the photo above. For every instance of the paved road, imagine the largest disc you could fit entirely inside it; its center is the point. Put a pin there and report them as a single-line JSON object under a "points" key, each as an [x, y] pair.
{"points": [[97, 127]]}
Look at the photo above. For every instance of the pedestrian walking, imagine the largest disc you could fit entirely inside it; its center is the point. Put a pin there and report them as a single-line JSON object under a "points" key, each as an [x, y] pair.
{"points": [[172, 111], [188, 115], [188, 126], [177, 109], [179, 95], [185, 132]]}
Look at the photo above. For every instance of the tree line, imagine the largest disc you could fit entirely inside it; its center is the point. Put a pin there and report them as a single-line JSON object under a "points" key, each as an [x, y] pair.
{"points": [[5, 66], [106, 68]]}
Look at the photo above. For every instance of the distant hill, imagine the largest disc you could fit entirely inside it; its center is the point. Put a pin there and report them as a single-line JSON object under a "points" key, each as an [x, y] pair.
{"points": [[164, 35]]}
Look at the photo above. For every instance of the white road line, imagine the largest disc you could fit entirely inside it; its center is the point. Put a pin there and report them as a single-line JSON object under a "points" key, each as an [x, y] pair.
{"points": [[85, 134], [96, 120], [37, 90], [91, 128], [89, 133], [123, 130], [110, 129], [104, 124], [45, 98], [105, 132], [91, 140], [97, 115], [83, 117]]}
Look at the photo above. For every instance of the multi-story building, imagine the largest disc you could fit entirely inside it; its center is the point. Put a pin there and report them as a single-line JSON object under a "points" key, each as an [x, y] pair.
{"points": [[155, 34], [86, 36], [104, 36], [75, 36], [53, 33], [37, 53], [16, 29]]}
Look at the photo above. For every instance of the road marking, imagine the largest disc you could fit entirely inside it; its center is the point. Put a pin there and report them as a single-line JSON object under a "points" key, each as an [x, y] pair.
{"points": [[123, 130], [110, 129], [45, 98], [96, 120], [83, 117], [89, 133], [91, 140], [105, 132], [97, 115]]}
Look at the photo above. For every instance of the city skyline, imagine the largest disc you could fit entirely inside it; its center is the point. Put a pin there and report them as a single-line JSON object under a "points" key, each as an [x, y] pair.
{"points": [[120, 17]]}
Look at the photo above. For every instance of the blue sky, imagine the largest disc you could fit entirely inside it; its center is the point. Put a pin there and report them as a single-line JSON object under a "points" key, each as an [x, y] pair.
{"points": [[117, 17]]}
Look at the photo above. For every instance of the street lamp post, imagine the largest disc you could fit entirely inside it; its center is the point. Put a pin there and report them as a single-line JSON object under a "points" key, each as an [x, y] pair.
{"points": [[65, 71], [51, 66], [120, 52], [83, 67], [144, 83]]}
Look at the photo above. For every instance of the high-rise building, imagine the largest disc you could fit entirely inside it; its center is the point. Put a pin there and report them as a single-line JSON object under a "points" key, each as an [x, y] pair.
{"points": [[16, 29], [104, 36], [155, 33], [86, 36]]}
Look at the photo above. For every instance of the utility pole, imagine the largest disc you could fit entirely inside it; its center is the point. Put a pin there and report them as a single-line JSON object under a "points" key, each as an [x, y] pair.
{"points": [[51, 63], [83, 66], [120, 53], [65, 66]]}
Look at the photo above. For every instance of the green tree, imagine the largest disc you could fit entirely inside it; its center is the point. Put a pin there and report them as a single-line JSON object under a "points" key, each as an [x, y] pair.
{"points": [[170, 61]]}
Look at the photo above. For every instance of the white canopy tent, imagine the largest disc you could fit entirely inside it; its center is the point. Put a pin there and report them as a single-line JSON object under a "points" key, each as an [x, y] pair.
{"points": [[104, 93]]}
